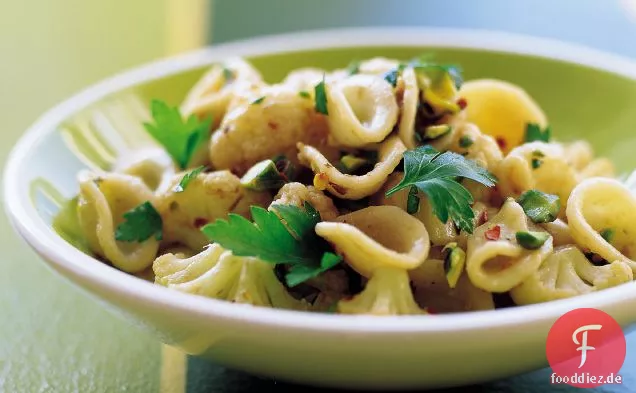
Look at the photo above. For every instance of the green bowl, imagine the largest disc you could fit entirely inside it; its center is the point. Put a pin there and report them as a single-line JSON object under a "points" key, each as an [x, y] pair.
{"points": [[585, 94]]}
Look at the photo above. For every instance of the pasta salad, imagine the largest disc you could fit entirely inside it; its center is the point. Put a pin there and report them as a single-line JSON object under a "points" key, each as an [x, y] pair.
{"points": [[387, 188]]}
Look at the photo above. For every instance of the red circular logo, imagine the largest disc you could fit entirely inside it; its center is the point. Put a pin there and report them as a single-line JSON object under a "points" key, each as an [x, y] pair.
{"points": [[586, 348]]}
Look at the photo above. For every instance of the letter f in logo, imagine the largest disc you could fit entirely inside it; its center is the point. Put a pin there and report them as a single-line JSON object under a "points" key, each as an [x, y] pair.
{"points": [[583, 344]]}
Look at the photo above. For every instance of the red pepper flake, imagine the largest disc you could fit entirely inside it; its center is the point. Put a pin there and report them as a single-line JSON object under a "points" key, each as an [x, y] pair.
{"points": [[200, 222], [493, 233], [431, 310], [462, 103], [501, 142], [273, 125], [483, 217]]}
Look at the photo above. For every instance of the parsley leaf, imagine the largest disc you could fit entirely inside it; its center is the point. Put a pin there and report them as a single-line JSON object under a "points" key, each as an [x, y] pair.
{"points": [[301, 273], [534, 133], [435, 174], [321, 98], [140, 223], [304, 94], [187, 178], [283, 236], [180, 138]]}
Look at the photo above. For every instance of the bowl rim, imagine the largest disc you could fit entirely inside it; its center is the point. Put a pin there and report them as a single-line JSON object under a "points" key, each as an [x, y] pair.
{"points": [[26, 221]]}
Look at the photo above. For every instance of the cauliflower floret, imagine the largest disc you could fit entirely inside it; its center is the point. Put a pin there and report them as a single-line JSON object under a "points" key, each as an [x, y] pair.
{"points": [[388, 292], [207, 197], [251, 132], [297, 194], [566, 273], [217, 273], [177, 268]]}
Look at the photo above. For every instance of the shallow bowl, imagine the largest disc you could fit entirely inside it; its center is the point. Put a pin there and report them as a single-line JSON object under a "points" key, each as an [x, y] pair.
{"points": [[585, 94]]}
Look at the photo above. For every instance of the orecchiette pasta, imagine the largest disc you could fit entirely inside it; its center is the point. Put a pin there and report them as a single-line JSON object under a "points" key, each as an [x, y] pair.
{"points": [[566, 273], [483, 149], [560, 232], [383, 187], [103, 199], [439, 233], [488, 99], [495, 261], [550, 167], [212, 94], [377, 236], [599, 204], [378, 65], [297, 194], [153, 166], [408, 110], [351, 186], [362, 110]]}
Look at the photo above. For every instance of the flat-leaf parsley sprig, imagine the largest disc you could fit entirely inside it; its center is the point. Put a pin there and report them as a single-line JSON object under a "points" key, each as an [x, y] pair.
{"points": [[283, 236], [180, 137], [140, 224], [435, 174]]}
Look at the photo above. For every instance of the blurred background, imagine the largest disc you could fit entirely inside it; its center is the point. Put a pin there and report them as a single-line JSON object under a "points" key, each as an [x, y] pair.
{"points": [[52, 339]]}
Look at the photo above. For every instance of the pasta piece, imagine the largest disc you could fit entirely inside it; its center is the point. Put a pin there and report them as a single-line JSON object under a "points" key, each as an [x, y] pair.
{"points": [[103, 200], [251, 132], [560, 232], [350, 186], [388, 292], [362, 110], [630, 181], [433, 293], [440, 233], [408, 110], [297, 194], [502, 110], [549, 167], [219, 274], [212, 94], [466, 139], [377, 236], [377, 65], [207, 197], [305, 79], [495, 262], [567, 273], [599, 204], [154, 166]]}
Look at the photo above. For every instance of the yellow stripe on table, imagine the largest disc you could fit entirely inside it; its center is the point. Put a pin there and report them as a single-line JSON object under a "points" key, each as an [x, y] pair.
{"points": [[173, 370]]}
